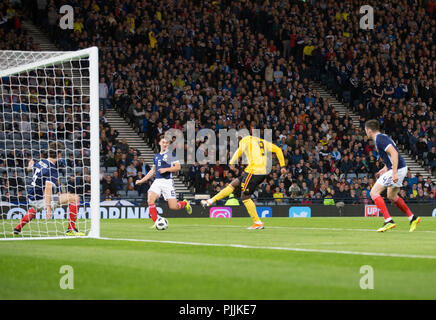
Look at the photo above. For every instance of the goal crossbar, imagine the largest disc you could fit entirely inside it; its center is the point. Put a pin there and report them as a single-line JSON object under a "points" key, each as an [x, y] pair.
{"points": [[63, 56]]}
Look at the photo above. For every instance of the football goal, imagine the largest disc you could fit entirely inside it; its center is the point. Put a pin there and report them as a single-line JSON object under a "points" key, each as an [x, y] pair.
{"points": [[49, 144]]}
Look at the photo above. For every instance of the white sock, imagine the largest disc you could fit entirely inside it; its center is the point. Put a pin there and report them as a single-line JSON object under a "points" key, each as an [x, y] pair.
{"points": [[387, 220], [410, 218]]}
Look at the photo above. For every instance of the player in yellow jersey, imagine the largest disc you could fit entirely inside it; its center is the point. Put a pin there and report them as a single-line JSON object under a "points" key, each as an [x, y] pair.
{"points": [[256, 151]]}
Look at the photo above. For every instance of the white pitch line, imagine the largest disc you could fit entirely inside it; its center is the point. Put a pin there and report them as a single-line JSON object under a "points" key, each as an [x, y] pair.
{"points": [[319, 243], [43, 238], [299, 228], [381, 254]]}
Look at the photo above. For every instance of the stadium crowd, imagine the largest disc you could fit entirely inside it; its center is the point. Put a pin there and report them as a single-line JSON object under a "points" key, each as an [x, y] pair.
{"points": [[249, 64], [35, 110]]}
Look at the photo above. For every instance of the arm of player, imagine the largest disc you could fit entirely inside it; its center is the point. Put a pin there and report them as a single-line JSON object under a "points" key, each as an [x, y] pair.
{"points": [[279, 154], [30, 165], [235, 157], [176, 167], [47, 197], [394, 158], [149, 175]]}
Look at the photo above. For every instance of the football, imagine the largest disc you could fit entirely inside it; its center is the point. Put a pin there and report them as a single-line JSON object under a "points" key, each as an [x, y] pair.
{"points": [[161, 223]]}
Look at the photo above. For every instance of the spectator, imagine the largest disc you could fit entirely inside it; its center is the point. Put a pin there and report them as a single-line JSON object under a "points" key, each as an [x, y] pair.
{"points": [[421, 148], [108, 184], [103, 92], [421, 197], [278, 75], [342, 194], [108, 196], [364, 198], [353, 198], [411, 180], [123, 161], [130, 184], [278, 195], [431, 159], [429, 185], [336, 155], [123, 146], [71, 185], [232, 201], [109, 160], [294, 190], [138, 114], [117, 181], [200, 181], [328, 200], [131, 170], [122, 172]]}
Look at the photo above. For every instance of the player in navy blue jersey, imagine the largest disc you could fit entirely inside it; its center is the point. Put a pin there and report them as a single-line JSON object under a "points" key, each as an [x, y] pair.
{"points": [[40, 193], [164, 166], [390, 177]]}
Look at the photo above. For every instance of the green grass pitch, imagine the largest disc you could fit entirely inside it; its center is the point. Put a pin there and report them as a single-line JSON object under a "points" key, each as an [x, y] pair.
{"points": [[201, 258]]}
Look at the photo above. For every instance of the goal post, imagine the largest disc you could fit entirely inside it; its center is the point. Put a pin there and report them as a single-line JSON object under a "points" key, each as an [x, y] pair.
{"points": [[49, 97]]}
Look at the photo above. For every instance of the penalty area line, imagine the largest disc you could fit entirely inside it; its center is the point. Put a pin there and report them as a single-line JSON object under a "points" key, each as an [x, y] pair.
{"points": [[242, 246]]}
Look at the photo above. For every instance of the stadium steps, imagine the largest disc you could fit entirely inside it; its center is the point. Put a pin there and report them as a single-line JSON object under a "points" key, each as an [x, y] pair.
{"points": [[134, 140], [414, 167], [39, 37]]}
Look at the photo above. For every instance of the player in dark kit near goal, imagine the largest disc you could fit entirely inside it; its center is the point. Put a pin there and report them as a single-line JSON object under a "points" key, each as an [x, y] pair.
{"points": [[40, 194]]}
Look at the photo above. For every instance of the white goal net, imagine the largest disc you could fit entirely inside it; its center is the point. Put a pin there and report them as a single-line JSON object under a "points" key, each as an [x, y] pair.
{"points": [[49, 144]]}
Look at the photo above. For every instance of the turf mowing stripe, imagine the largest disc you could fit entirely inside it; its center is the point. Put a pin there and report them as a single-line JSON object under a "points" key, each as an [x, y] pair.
{"points": [[300, 228], [381, 254]]}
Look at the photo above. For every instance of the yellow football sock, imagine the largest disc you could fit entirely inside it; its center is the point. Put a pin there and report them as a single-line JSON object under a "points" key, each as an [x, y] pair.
{"points": [[251, 208], [223, 193]]}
